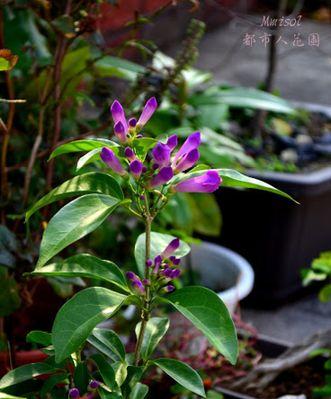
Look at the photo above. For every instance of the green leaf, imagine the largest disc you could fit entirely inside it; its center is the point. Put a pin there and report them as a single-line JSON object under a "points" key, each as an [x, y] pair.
{"points": [[121, 372], [89, 157], [139, 391], [86, 265], [243, 98], [24, 373], [81, 376], [232, 178], [7, 396], [142, 146], [183, 374], [84, 145], [110, 340], [159, 242], [325, 293], [93, 182], [106, 371], [114, 66], [51, 383], [208, 313], [39, 337], [156, 328], [74, 221], [77, 318]]}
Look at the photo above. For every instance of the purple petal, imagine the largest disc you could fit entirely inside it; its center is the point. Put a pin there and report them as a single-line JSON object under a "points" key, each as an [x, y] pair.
{"points": [[172, 142], [129, 153], [175, 273], [132, 122], [157, 263], [206, 183], [130, 275], [120, 131], [187, 161], [171, 248], [136, 167], [118, 114], [174, 260], [191, 143], [161, 154], [94, 384], [74, 393], [148, 111], [164, 175], [108, 156], [149, 263], [169, 288]]}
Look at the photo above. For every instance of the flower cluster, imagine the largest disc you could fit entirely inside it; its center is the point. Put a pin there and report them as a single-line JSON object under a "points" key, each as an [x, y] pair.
{"points": [[164, 161], [164, 269], [92, 387]]}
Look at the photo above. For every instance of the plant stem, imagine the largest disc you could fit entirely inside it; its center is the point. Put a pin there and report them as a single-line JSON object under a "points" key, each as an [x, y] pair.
{"points": [[147, 301]]}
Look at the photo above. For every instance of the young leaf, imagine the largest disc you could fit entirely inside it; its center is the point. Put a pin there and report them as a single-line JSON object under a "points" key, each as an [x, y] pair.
{"points": [[93, 182], [39, 337], [110, 340], [82, 145], [121, 372], [156, 327], [77, 318], [86, 265], [89, 157], [24, 373], [139, 391], [74, 221], [208, 313], [159, 242], [106, 371], [183, 374]]}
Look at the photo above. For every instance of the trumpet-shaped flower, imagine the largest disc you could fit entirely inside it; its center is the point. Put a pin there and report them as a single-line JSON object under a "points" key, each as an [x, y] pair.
{"points": [[136, 168], [205, 183], [148, 111], [191, 143], [171, 248], [161, 154], [120, 131], [187, 161], [165, 174], [108, 156], [118, 115]]}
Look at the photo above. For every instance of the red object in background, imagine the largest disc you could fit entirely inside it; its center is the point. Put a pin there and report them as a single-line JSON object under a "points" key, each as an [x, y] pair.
{"points": [[21, 358], [114, 17]]}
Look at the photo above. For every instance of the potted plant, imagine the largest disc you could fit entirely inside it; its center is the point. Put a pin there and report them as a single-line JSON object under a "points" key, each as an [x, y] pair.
{"points": [[223, 271], [140, 174]]}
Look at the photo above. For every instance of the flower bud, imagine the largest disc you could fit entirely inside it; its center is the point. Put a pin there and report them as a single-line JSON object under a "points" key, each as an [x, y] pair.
{"points": [[74, 393]]}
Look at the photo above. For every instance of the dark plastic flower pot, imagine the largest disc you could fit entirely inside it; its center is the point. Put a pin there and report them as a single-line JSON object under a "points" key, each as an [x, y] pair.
{"points": [[276, 236]]}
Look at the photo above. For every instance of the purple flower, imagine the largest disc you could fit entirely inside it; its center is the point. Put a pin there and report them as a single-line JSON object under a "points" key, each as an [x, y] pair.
{"points": [[171, 248], [129, 153], [132, 122], [206, 183], [135, 281], [157, 263], [172, 142], [74, 393], [148, 111], [108, 156], [175, 273], [191, 143], [164, 175], [136, 168], [146, 281], [169, 288], [118, 114], [120, 132], [161, 154], [149, 263], [175, 261], [94, 384], [187, 161]]}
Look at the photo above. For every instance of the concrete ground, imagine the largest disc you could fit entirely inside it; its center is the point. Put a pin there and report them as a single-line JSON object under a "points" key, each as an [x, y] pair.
{"points": [[303, 70], [303, 74]]}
